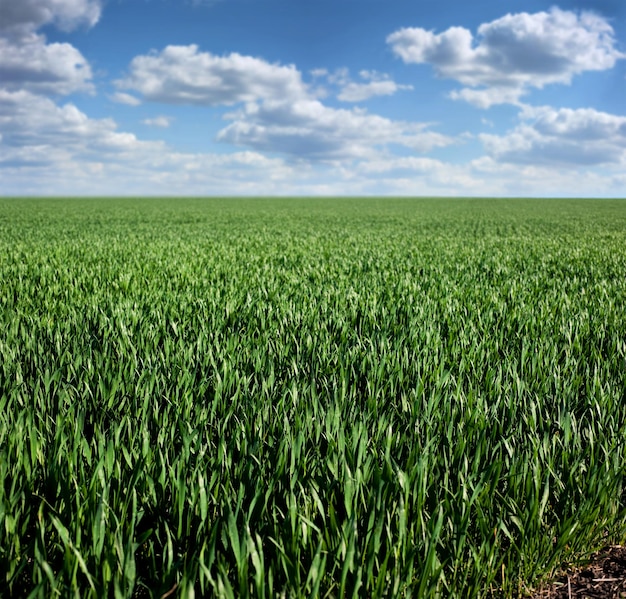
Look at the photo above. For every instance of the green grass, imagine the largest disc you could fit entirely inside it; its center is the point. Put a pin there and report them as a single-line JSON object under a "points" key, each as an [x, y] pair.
{"points": [[355, 397]]}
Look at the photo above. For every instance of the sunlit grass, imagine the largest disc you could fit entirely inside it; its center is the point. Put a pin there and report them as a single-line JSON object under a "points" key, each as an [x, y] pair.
{"points": [[308, 397]]}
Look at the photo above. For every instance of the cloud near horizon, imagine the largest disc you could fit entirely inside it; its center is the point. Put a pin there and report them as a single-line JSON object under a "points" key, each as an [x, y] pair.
{"points": [[33, 125], [563, 137]]}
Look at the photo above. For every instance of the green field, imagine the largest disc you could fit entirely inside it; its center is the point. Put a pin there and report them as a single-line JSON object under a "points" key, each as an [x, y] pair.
{"points": [[300, 398]]}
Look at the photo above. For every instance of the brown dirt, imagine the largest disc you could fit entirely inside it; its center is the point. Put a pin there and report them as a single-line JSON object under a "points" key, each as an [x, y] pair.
{"points": [[603, 578]]}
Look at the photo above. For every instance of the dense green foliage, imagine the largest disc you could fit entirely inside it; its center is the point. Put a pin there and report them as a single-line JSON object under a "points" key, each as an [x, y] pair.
{"points": [[308, 397]]}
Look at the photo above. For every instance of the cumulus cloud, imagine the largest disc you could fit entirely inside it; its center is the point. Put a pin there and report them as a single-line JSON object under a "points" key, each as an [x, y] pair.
{"points": [[33, 65], [561, 137], [34, 125], [20, 17], [308, 129], [512, 54], [28, 62], [280, 112], [183, 75], [377, 85], [47, 148]]}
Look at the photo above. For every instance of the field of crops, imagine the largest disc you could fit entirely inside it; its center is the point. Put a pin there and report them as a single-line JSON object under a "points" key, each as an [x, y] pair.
{"points": [[301, 398]]}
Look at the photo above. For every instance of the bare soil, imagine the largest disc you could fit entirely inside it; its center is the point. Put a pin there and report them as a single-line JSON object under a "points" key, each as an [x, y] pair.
{"points": [[603, 578]]}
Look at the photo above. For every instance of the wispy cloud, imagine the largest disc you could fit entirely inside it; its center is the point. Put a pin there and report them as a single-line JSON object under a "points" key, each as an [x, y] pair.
{"points": [[123, 98], [376, 84], [160, 121]]}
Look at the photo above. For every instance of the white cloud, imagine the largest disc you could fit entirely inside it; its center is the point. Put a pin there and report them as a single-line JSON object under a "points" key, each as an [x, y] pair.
{"points": [[485, 98], [280, 114], [561, 137], [45, 148], [340, 76], [122, 98], [20, 17], [183, 75], [27, 62], [31, 64], [308, 129], [413, 175], [378, 85], [512, 54], [159, 121], [358, 92], [33, 125], [539, 180], [583, 124], [403, 163], [162, 173]]}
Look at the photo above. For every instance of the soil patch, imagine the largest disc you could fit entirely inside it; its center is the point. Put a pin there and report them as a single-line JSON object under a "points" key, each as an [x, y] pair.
{"points": [[603, 578]]}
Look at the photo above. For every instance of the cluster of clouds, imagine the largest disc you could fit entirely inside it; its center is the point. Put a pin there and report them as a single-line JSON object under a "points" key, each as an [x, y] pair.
{"points": [[49, 145], [286, 136], [35, 129], [278, 112], [562, 138], [513, 54], [30, 63]]}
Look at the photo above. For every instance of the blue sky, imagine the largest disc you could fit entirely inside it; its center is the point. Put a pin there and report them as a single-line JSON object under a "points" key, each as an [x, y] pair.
{"points": [[313, 97]]}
